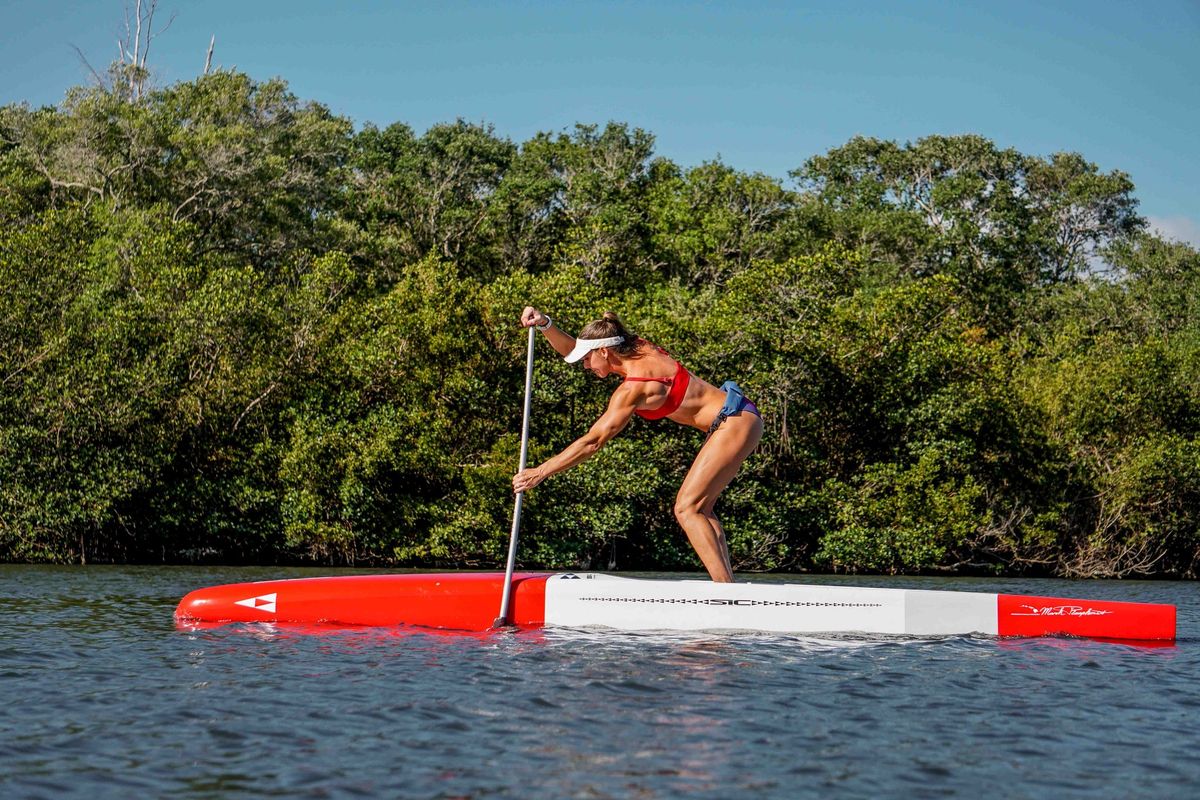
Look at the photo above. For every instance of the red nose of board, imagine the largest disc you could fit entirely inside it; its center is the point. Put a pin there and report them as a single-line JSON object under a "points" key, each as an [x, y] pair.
{"points": [[463, 601]]}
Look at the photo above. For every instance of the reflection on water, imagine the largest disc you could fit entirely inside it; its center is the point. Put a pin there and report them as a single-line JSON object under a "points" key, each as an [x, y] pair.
{"points": [[101, 696]]}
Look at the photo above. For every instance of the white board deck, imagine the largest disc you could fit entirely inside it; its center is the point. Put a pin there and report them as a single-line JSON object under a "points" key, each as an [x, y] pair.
{"points": [[593, 599]]}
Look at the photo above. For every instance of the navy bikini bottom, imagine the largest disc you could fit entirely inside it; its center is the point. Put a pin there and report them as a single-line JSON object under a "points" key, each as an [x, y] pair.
{"points": [[735, 403]]}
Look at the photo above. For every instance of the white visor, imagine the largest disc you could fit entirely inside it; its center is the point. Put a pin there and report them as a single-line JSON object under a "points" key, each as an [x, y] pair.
{"points": [[585, 346]]}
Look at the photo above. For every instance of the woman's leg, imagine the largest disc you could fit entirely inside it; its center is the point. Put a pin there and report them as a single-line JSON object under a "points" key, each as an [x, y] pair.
{"points": [[715, 465]]}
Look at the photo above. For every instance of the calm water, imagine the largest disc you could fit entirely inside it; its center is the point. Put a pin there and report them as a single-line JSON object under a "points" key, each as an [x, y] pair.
{"points": [[101, 696]]}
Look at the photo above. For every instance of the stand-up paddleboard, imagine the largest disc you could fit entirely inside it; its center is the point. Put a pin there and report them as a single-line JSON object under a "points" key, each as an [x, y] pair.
{"points": [[467, 601]]}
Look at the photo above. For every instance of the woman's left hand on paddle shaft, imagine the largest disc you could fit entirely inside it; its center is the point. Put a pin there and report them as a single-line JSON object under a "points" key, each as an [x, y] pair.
{"points": [[526, 479]]}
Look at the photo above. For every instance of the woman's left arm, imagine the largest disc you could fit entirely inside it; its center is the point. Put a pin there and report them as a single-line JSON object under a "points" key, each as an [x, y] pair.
{"points": [[620, 410]]}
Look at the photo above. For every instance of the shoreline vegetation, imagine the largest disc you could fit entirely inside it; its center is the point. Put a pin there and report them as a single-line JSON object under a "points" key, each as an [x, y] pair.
{"points": [[236, 329]]}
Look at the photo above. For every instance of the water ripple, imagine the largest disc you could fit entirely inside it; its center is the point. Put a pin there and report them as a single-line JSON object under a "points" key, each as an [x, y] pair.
{"points": [[101, 697]]}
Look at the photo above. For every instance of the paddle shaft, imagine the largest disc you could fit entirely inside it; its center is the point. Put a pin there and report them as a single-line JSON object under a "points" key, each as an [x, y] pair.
{"points": [[502, 620]]}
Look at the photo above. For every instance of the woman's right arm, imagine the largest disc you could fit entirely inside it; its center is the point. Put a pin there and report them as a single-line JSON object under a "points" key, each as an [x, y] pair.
{"points": [[621, 408], [562, 342]]}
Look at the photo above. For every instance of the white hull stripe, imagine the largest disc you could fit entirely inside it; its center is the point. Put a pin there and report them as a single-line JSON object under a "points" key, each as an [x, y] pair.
{"points": [[631, 604]]}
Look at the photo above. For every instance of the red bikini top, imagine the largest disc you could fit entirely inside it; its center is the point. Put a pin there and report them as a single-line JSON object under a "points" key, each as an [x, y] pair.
{"points": [[679, 385]]}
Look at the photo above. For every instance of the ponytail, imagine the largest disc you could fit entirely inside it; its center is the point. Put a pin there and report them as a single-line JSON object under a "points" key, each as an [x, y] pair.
{"points": [[609, 325]]}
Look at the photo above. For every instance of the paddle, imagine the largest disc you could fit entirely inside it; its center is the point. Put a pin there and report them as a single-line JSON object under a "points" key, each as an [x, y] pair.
{"points": [[502, 620]]}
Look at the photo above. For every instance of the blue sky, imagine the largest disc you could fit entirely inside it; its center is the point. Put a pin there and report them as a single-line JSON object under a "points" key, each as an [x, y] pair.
{"points": [[762, 85]]}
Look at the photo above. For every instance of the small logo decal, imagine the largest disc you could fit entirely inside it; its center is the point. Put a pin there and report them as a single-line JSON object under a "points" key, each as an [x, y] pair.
{"points": [[719, 601], [1058, 611], [265, 602]]}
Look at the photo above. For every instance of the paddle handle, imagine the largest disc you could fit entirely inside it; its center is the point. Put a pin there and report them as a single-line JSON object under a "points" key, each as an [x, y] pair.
{"points": [[506, 598]]}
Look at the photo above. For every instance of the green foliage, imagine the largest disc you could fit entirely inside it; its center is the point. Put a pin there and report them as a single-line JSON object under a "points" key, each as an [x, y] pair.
{"points": [[1115, 387], [254, 169], [713, 221], [235, 328], [429, 194], [1148, 520], [999, 222], [892, 519], [92, 374]]}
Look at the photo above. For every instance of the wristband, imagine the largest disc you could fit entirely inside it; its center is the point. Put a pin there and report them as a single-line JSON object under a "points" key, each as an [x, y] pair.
{"points": [[549, 322]]}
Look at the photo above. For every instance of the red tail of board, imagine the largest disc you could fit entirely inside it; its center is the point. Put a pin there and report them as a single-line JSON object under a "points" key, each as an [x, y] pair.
{"points": [[1021, 615]]}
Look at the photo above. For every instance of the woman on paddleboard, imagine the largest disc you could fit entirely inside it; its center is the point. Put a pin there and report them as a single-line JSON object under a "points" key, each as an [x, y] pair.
{"points": [[653, 386]]}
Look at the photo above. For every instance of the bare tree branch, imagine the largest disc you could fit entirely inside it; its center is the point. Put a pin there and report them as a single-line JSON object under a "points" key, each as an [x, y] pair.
{"points": [[152, 34], [122, 42], [137, 36], [208, 60], [134, 48], [83, 60]]}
